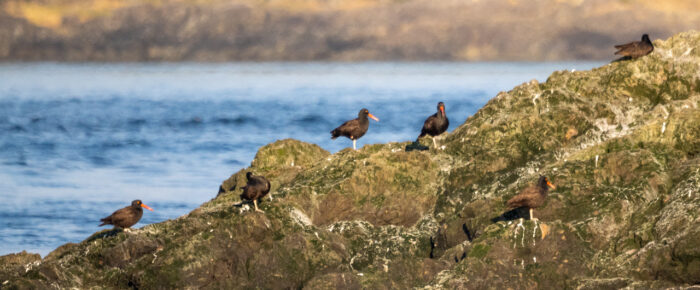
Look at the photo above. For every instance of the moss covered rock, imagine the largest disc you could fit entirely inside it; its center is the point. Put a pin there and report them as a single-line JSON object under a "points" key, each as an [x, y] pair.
{"points": [[621, 142]]}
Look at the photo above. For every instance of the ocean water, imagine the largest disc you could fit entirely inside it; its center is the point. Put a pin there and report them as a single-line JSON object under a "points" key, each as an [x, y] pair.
{"points": [[78, 141]]}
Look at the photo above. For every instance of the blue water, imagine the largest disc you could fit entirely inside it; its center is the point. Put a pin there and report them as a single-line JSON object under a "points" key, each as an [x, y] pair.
{"points": [[78, 141]]}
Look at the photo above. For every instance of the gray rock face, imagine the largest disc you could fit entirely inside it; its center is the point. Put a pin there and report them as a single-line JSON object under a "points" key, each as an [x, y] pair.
{"points": [[620, 142]]}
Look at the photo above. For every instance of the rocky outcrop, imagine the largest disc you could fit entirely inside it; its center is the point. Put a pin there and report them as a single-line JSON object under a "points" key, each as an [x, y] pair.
{"points": [[621, 142]]}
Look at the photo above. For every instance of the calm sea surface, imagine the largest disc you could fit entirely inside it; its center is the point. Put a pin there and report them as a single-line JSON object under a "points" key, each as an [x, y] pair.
{"points": [[78, 141]]}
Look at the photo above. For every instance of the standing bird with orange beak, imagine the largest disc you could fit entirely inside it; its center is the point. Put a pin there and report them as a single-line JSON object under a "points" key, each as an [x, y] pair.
{"points": [[126, 217], [531, 197], [255, 189], [355, 128], [436, 124]]}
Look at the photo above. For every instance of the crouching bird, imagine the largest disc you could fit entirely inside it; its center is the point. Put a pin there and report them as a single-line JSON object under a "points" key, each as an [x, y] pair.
{"points": [[126, 217], [528, 199], [635, 49], [256, 188], [355, 128]]}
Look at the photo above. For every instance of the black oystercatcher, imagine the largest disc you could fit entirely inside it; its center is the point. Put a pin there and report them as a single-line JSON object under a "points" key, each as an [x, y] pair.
{"points": [[435, 124], [635, 49], [355, 128], [126, 217], [256, 188], [532, 196]]}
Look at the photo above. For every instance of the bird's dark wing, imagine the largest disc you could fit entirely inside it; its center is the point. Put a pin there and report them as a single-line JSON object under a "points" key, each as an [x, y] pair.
{"points": [[627, 49], [346, 128], [256, 181], [621, 46], [350, 124], [428, 125], [430, 120], [523, 198], [122, 215]]}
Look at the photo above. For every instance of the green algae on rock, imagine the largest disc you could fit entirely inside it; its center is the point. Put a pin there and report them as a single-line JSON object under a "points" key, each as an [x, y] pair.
{"points": [[621, 142]]}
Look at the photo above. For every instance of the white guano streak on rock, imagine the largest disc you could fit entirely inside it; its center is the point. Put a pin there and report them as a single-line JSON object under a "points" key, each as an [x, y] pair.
{"points": [[534, 99], [596, 161], [31, 265], [351, 261], [515, 234], [663, 128], [301, 218], [534, 233], [687, 52], [666, 114]]}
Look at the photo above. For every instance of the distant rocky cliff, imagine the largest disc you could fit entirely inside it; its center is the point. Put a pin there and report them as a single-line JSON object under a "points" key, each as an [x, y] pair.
{"points": [[338, 30], [621, 143]]}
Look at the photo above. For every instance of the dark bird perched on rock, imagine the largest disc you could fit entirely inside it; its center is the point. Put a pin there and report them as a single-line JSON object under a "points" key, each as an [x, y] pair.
{"points": [[256, 188], [635, 49], [126, 217], [435, 124], [528, 199], [355, 128]]}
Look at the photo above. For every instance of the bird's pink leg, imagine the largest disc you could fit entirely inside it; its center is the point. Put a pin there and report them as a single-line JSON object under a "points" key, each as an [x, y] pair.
{"points": [[532, 217], [255, 202]]}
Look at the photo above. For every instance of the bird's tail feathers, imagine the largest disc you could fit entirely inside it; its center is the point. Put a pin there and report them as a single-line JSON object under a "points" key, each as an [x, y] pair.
{"points": [[513, 214], [422, 133]]}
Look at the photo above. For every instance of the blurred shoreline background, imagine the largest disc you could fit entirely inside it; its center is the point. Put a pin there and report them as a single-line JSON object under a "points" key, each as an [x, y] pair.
{"points": [[332, 30]]}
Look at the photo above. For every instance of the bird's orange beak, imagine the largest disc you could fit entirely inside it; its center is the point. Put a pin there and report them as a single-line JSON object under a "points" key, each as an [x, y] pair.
{"points": [[551, 185], [146, 207], [373, 117], [442, 109]]}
